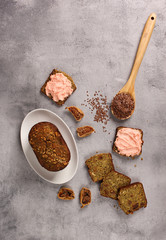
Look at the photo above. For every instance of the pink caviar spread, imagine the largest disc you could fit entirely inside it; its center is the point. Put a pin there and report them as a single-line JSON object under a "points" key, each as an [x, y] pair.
{"points": [[129, 142], [59, 87]]}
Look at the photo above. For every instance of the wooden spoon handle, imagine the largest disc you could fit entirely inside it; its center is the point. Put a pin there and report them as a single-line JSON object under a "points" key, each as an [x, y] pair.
{"points": [[147, 32]]}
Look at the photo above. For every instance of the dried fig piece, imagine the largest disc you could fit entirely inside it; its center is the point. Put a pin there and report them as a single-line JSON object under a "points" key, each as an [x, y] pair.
{"points": [[66, 193], [85, 197], [85, 131], [76, 112]]}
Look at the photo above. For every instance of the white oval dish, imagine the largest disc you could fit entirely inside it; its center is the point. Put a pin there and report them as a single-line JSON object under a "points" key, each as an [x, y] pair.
{"points": [[43, 115]]}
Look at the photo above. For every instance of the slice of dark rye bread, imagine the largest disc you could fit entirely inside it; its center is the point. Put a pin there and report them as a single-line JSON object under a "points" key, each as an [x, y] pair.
{"points": [[132, 197], [54, 71], [112, 182], [99, 165], [115, 149]]}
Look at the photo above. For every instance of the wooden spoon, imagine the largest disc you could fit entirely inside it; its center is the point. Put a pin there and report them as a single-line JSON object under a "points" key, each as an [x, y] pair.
{"points": [[129, 86]]}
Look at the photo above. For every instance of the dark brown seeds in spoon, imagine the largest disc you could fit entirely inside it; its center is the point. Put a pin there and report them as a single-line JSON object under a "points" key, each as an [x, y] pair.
{"points": [[122, 105]]}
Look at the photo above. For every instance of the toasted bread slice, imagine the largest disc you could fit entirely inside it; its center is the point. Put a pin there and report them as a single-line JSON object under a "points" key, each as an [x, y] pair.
{"points": [[85, 197], [54, 71], [66, 193], [49, 146], [132, 197], [85, 131], [76, 112], [111, 184], [131, 145], [99, 166]]}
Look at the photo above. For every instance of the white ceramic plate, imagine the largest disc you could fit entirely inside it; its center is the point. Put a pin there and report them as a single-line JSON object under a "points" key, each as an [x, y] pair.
{"points": [[43, 115]]}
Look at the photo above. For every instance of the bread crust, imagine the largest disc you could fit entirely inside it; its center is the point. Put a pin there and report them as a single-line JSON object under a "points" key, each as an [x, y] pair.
{"points": [[66, 193], [54, 71], [134, 200], [115, 149], [49, 146], [85, 197]]}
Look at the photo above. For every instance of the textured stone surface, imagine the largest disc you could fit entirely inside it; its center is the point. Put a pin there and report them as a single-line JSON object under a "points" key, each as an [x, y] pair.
{"points": [[95, 42]]}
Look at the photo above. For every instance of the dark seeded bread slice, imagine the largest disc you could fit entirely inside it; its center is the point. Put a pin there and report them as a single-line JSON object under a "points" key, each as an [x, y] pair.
{"points": [[54, 71], [85, 197], [115, 149], [66, 193], [111, 184], [99, 166], [131, 198]]}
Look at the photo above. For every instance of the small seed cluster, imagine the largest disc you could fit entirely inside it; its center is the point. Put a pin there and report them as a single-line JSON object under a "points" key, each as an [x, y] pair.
{"points": [[98, 104]]}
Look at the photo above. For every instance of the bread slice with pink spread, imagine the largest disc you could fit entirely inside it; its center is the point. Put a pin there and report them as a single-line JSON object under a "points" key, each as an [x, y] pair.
{"points": [[58, 87], [128, 141]]}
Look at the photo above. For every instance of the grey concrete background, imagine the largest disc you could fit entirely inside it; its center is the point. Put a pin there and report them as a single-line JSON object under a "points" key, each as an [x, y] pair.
{"points": [[95, 42]]}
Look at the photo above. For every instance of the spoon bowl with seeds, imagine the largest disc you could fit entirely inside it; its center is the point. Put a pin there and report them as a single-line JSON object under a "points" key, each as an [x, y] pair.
{"points": [[123, 104]]}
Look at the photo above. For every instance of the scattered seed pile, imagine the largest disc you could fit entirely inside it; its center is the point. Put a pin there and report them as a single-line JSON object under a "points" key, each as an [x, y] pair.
{"points": [[98, 104]]}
